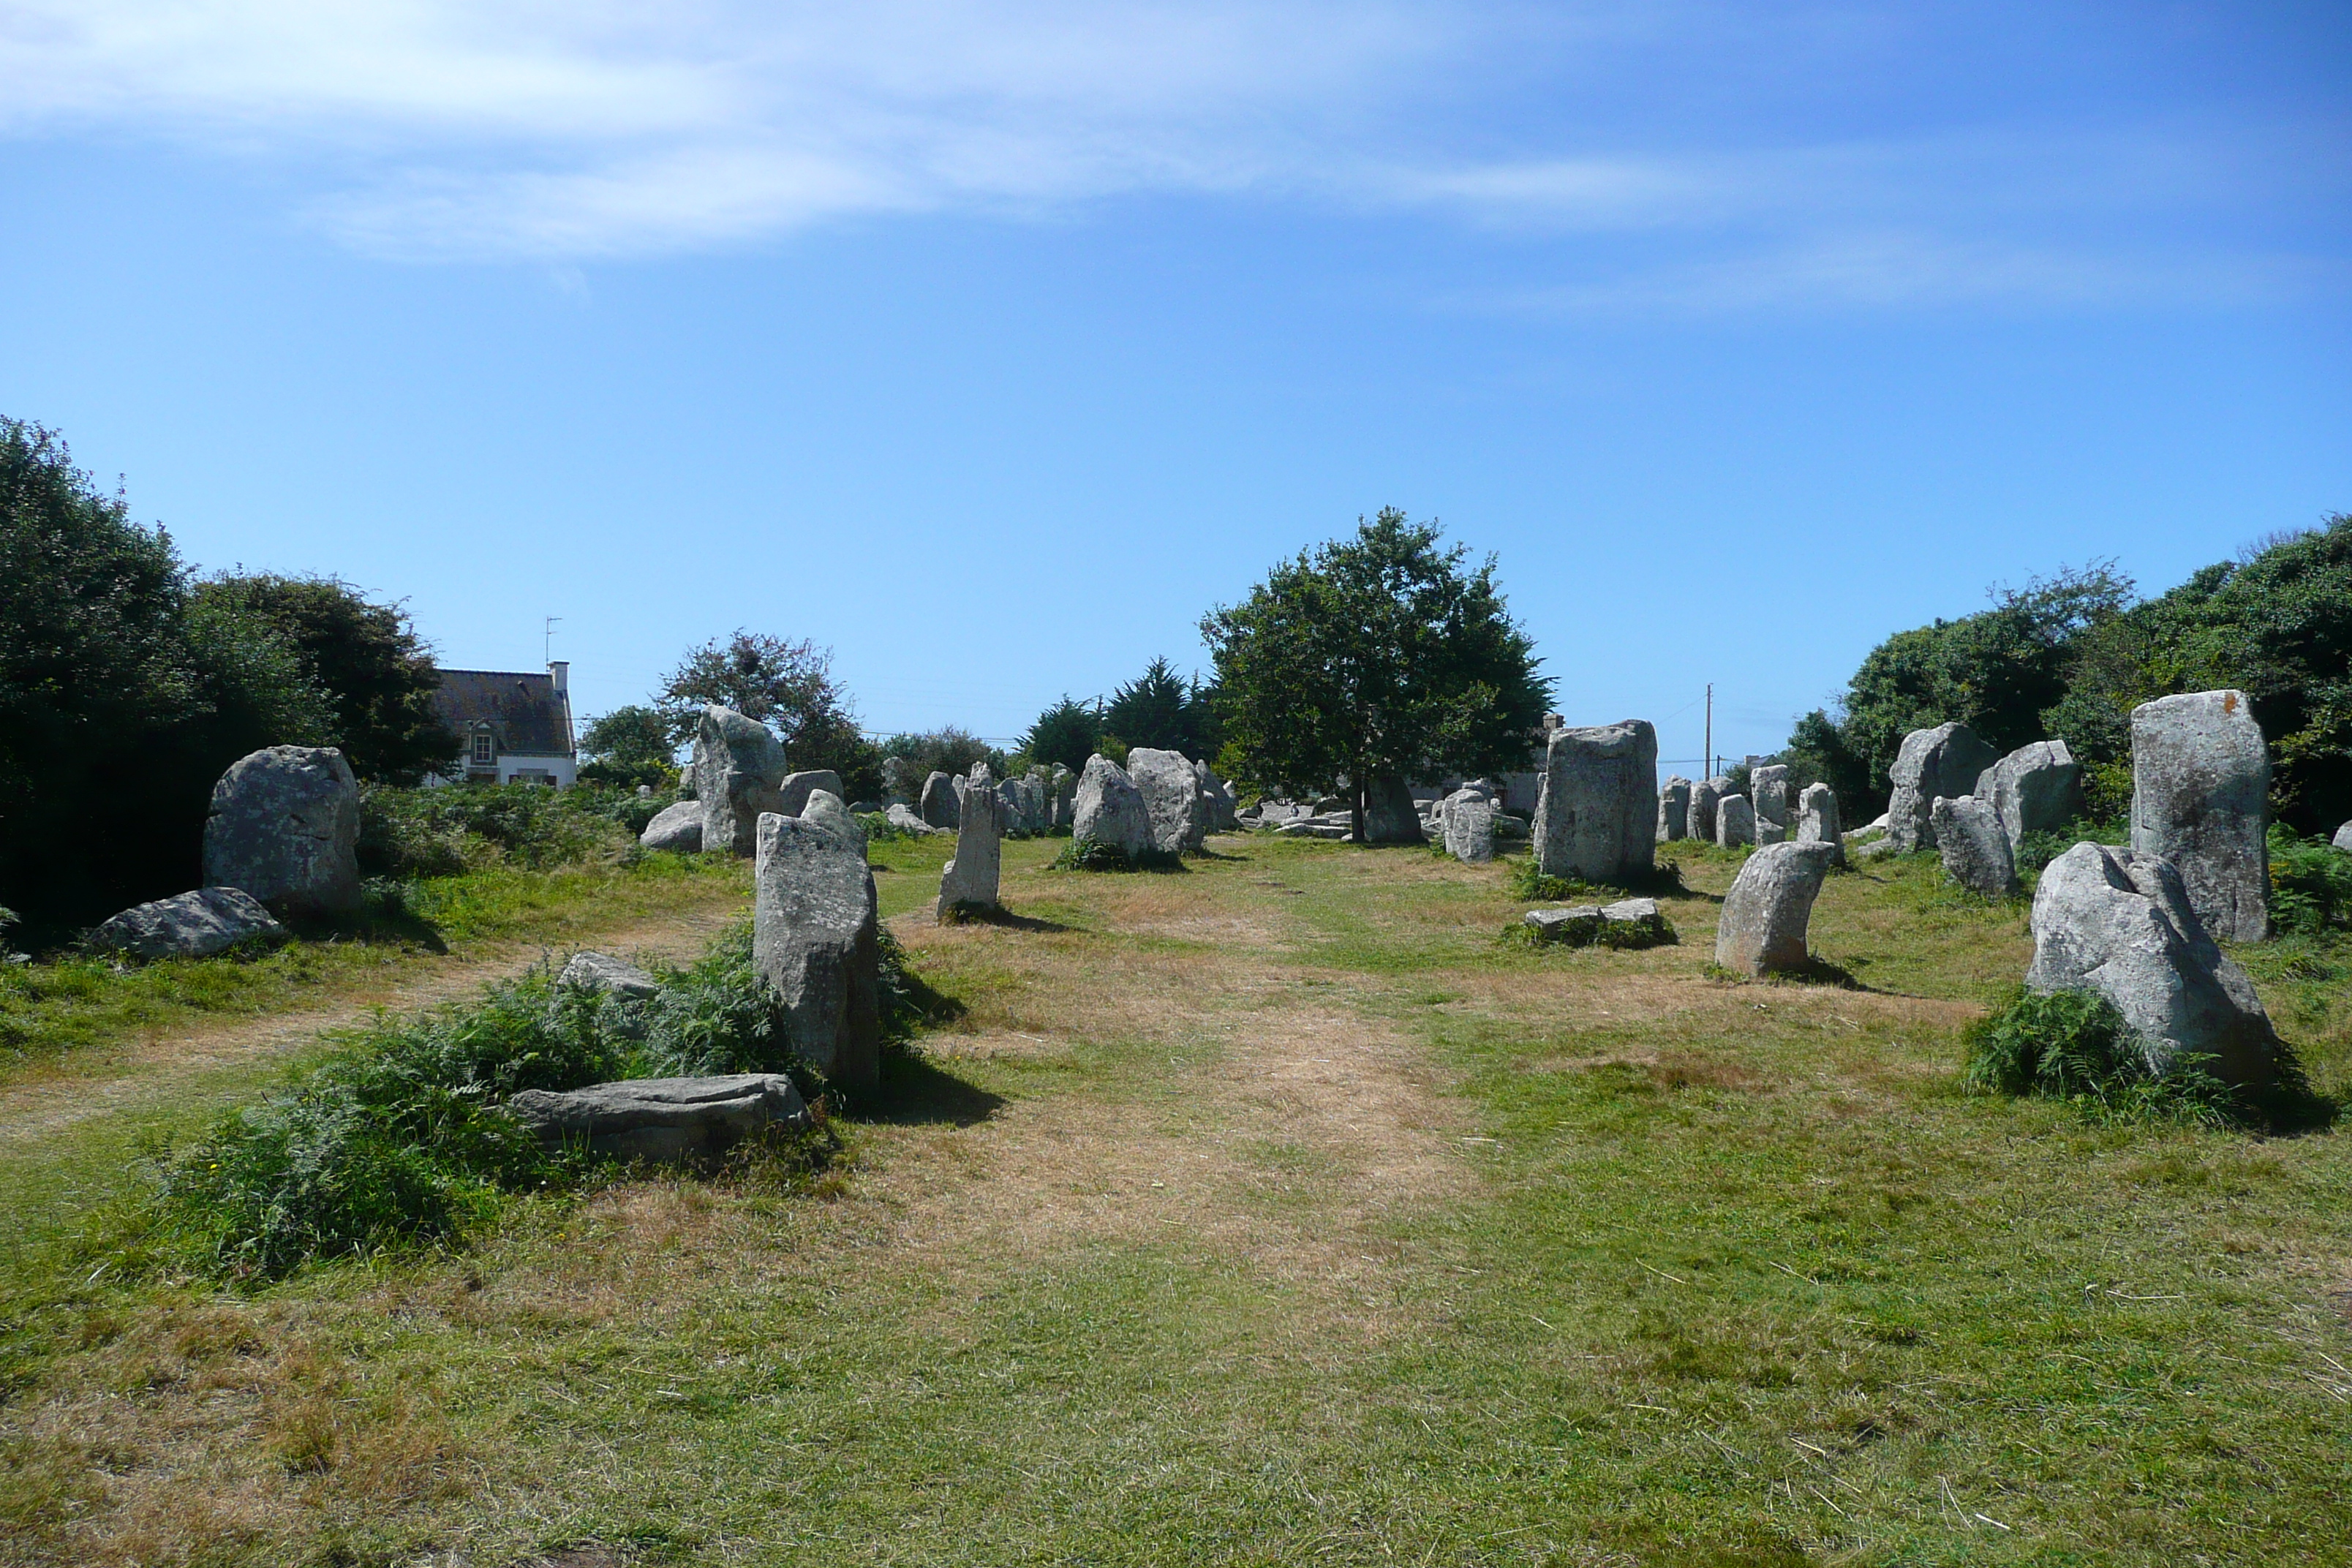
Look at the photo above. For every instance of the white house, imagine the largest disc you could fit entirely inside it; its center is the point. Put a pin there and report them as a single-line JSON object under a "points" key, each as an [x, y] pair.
{"points": [[516, 727]]}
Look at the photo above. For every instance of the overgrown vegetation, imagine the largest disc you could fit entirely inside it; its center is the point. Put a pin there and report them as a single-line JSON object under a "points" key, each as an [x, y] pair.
{"points": [[2311, 884], [1093, 855], [1528, 885]]}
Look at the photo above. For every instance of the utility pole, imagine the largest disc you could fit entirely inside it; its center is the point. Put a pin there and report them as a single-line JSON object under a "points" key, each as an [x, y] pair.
{"points": [[1707, 761]]}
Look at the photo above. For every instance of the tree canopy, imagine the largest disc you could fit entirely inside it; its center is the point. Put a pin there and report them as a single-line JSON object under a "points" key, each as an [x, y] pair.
{"points": [[787, 686], [628, 747], [1067, 732], [1161, 710], [1375, 657]]}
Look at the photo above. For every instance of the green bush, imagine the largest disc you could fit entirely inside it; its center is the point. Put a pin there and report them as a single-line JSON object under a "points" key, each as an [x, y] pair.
{"points": [[2073, 1046], [1091, 855], [2311, 884], [442, 832], [397, 1138], [2036, 850], [718, 1016]]}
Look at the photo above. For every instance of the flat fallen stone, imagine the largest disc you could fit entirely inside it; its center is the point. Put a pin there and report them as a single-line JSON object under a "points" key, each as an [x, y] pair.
{"points": [[607, 975], [191, 925], [664, 1121], [677, 826]]}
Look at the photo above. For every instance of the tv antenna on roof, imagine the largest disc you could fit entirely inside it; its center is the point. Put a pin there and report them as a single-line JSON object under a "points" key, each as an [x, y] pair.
{"points": [[547, 653]]}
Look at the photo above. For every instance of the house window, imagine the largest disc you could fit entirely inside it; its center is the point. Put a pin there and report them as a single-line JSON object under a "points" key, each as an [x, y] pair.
{"points": [[485, 748]]}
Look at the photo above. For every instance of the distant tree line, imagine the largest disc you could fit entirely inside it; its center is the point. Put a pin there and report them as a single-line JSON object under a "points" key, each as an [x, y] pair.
{"points": [[2069, 657]]}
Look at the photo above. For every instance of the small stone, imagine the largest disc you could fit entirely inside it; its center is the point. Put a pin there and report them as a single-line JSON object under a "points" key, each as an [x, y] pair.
{"points": [[1975, 846], [674, 827], [189, 925], [1705, 795], [2201, 799], [1766, 915], [1735, 822], [664, 1121], [285, 828], [1469, 823], [2343, 839], [604, 975]]}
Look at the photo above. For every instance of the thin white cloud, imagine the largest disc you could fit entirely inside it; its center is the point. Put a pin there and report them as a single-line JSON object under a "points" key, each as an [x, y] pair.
{"points": [[570, 131]]}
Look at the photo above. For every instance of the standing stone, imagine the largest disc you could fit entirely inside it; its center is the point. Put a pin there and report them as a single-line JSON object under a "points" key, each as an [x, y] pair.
{"points": [[2120, 922], [1219, 796], [814, 938], [1735, 822], [1817, 820], [1173, 797], [938, 806], [1975, 846], [1944, 761], [1703, 796], [1596, 812], [737, 768], [678, 826], [1673, 809], [969, 881], [1109, 810], [1391, 814], [1065, 790], [791, 796], [1764, 915], [1469, 827], [2343, 839], [193, 925], [285, 828], [2201, 799], [2037, 788], [1767, 790]]}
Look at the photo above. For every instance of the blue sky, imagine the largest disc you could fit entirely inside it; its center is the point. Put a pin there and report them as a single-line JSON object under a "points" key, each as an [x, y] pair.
{"points": [[990, 346]]}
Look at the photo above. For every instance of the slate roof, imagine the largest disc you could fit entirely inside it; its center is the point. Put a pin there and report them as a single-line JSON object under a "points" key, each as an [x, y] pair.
{"points": [[525, 710]]}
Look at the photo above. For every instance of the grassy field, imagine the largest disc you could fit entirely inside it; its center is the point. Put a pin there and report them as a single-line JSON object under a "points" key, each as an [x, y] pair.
{"points": [[1274, 1211]]}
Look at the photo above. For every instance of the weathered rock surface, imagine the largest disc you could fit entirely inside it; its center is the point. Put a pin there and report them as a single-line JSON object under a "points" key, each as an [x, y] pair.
{"points": [[1768, 792], [1596, 809], [2201, 799], [2036, 788], [1108, 809], [1770, 905], [1064, 791], [2121, 923], [814, 938], [1974, 846], [664, 1121], [1944, 761], [737, 768], [1628, 922], [791, 796], [901, 815], [2343, 839], [1817, 820], [1734, 821], [1705, 795], [1390, 817], [189, 925], [1217, 795], [1172, 796], [285, 828], [674, 827], [1673, 809], [1469, 827], [607, 976], [941, 797], [969, 880]]}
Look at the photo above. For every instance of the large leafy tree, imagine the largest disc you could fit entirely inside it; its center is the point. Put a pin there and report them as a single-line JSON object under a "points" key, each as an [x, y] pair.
{"points": [[787, 686], [1375, 657], [365, 656], [122, 696], [629, 746]]}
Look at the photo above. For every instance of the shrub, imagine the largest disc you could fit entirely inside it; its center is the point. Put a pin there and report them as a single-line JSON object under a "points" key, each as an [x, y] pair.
{"points": [[441, 832], [398, 1138], [2073, 1046], [719, 1017], [1092, 854], [2036, 850], [2311, 884]]}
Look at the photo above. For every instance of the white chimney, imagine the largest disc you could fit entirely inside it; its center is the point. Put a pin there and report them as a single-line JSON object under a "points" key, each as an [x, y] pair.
{"points": [[560, 671]]}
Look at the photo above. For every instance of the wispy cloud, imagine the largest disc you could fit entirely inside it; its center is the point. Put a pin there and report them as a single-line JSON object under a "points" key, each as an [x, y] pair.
{"points": [[571, 131]]}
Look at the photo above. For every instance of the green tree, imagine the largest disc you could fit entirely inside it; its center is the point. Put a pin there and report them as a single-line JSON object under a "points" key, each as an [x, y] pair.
{"points": [[1161, 710], [1067, 733], [1375, 659], [787, 686], [123, 700], [909, 758], [628, 747], [365, 657]]}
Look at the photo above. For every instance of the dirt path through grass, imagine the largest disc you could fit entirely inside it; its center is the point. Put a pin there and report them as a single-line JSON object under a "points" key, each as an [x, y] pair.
{"points": [[162, 1062]]}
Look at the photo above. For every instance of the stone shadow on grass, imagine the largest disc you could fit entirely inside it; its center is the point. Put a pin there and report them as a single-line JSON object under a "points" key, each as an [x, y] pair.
{"points": [[997, 915], [917, 1091]]}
